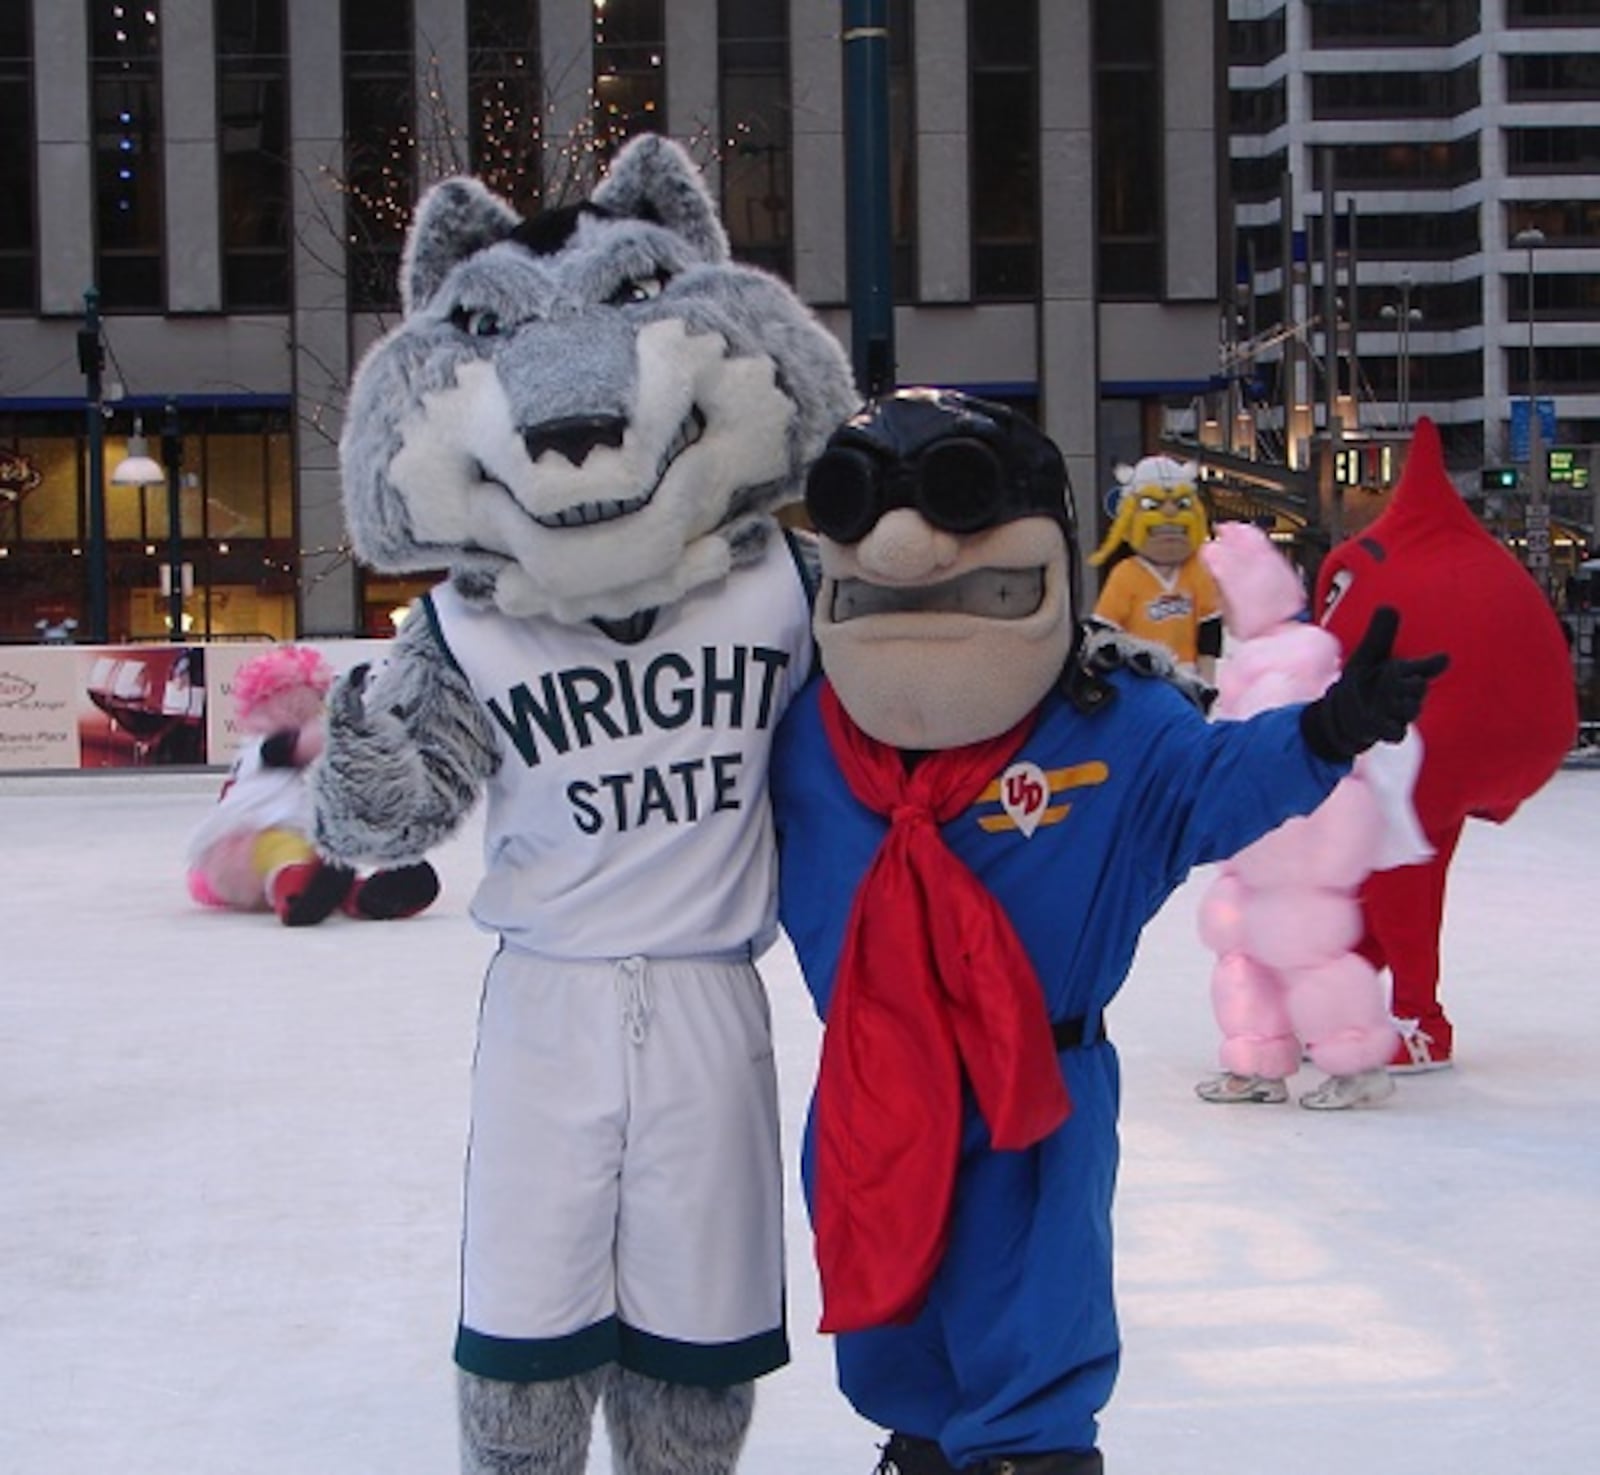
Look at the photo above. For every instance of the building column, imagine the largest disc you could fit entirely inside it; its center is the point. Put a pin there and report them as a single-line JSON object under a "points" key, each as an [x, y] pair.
{"points": [[1069, 336], [192, 164], [816, 69], [944, 175], [1191, 73], [693, 114], [65, 156], [329, 605]]}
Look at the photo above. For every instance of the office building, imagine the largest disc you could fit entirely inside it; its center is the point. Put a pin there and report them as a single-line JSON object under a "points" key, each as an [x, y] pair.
{"points": [[1463, 140], [232, 178]]}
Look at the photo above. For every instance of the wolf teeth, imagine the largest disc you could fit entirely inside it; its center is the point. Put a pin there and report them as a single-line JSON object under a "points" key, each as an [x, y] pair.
{"points": [[692, 428], [587, 514], [590, 514]]}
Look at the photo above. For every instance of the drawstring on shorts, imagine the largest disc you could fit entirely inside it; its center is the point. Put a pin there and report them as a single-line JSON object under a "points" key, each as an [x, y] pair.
{"points": [[633, 996]]}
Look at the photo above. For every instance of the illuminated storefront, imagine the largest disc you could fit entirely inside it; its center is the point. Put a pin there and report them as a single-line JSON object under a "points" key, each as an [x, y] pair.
{"points": [[236, 495]]}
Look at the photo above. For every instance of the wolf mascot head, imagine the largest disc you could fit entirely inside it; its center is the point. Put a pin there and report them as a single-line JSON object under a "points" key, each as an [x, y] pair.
{"points": [[584, 416], [590, 412]]}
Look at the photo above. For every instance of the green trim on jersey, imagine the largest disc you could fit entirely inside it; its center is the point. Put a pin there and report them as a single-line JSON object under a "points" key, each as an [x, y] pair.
{"points": [[437, 628], [549, 1359], [704, 1365], [538, 1359]]}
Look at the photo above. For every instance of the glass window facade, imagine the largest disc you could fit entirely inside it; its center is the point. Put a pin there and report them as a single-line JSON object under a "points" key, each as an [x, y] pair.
{"points": [[1564, 222], [253, 138], [1255, 42], [1407, 236], [1553, 151], [1127, 100], [1402, 166], [1395, 94], [1336, 23], [125, 98], [1572, 76], [236, 500], [753, 83], [1552, 12], [380, 148], [1002, 51], [1258, 109], [18, 290], [506, 98], [630, 77]]}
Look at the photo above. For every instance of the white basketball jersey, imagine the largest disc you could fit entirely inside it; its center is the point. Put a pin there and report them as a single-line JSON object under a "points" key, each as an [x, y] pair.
{"points": [[630, 814]]}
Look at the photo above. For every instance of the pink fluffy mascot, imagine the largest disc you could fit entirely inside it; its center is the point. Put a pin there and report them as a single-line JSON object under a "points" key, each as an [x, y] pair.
{"points": [[253, 852], [1283, 915]]}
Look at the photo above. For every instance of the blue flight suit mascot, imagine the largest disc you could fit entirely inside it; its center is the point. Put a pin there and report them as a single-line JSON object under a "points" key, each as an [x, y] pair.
{"points": [[979, 807]]}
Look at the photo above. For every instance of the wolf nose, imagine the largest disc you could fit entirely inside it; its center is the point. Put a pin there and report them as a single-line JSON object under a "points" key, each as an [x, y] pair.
{"points": [[574, 436]]}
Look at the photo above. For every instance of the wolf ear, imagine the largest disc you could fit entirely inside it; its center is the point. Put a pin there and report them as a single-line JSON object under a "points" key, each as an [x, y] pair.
{"points": [[653, 178], [456, 218]]}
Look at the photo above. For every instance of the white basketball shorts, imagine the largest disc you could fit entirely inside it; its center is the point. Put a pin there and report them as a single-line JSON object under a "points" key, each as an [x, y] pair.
{"points": [[624, 1186]]}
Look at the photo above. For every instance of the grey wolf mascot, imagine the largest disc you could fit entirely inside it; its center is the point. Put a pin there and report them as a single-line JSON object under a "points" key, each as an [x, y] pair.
{"points": [[588, 417]]}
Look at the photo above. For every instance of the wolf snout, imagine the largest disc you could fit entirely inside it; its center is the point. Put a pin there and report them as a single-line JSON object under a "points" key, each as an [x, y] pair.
{"points": [[574, 436]]}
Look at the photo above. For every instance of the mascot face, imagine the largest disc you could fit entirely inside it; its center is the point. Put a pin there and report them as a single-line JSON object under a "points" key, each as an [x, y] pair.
{"points": [[946, 610], [590, 412], [1160, 513]]}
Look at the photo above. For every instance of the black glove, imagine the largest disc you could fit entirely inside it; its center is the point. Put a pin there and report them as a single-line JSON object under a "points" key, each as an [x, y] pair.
{"points": [[1375, 698]]}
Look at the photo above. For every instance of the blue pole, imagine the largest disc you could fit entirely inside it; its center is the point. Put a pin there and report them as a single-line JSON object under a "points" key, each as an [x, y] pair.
{"points": [[867, 223]]}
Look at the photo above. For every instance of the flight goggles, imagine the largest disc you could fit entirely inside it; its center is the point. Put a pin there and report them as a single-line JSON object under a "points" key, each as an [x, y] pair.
{"points": [[962, 463]]}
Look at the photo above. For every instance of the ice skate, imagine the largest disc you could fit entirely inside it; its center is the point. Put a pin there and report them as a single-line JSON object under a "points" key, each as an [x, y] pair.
{"points": [[387, 896], [1228, 1088], [1340, 1093], [307, 892], [1422, 1047]]}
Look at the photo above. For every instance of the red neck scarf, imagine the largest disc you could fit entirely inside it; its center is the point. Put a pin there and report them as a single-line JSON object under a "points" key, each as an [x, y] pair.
{"points": [[932, 984]]}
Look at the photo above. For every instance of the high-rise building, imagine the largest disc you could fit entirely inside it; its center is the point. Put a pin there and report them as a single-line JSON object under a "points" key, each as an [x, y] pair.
{"points": [[1459, 142], [211, 195]]}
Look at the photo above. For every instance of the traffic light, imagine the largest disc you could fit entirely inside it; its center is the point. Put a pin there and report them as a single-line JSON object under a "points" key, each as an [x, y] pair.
{"points": [[1500, 478]]}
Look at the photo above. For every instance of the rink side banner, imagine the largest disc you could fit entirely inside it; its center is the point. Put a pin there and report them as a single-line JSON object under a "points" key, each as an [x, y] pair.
{"points": [[131, 706]]}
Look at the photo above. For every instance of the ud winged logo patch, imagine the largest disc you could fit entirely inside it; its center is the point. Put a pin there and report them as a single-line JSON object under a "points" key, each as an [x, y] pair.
{"points": [[1025, 793]]}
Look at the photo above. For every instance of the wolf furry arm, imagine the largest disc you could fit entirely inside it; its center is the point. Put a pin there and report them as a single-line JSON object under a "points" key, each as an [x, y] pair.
{"points": [[407, 754]]}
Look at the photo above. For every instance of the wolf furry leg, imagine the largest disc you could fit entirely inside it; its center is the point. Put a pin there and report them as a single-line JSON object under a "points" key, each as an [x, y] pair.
{"points": [[661, 1428], [527, 1428]]}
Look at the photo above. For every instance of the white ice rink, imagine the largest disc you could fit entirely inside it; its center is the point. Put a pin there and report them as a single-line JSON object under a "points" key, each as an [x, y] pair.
{"points": [[231, 1157]]}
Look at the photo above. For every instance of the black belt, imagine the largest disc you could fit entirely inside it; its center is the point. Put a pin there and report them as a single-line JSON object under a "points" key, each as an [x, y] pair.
{"points": [[1069, 1034]]}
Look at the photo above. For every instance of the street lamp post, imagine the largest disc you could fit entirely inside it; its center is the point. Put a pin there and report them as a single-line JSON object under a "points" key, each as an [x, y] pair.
{"points": [[172, 454], [91, 361], [138, 470], [1403, 317], [1537, 528]]}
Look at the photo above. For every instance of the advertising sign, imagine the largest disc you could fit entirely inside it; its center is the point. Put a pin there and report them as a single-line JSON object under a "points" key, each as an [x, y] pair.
{"points": [[38, 708], [132, 706]]}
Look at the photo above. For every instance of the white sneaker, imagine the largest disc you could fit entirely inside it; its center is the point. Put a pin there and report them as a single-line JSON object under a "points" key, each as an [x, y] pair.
{"points": [[1340, 1093], [1228, 1087]]}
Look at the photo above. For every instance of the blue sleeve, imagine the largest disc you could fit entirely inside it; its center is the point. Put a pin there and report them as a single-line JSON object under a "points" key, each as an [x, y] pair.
{"points": [[1211, 788]]}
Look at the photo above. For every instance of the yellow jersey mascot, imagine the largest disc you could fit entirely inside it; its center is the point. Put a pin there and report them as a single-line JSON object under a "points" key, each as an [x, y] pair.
{"points": [[1163, 592]]}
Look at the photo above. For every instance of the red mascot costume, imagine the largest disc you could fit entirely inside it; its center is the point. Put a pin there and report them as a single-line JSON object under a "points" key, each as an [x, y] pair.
{"points": [[1496, 724]]}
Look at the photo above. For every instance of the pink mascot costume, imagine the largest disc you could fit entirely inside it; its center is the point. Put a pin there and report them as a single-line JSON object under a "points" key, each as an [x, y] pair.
{"points": [[253, 852], [1284, 914]]}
